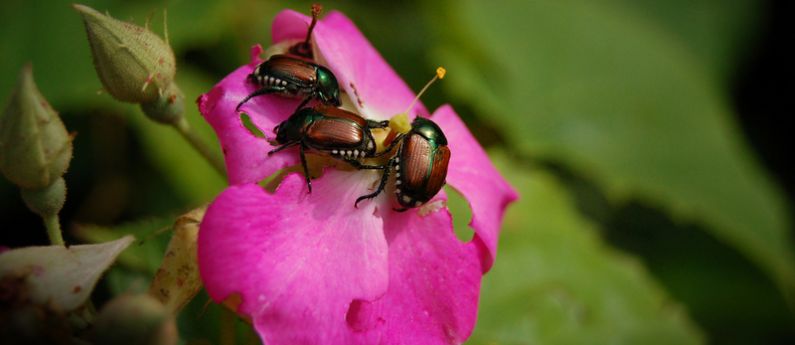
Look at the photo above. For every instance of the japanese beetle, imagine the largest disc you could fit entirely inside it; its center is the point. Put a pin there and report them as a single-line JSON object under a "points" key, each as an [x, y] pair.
{"points": [[297, 77], [331, 131], [421, 160], [420, 165], [296, 74]]}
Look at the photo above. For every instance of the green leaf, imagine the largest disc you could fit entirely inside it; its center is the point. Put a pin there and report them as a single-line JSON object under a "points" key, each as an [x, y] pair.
{"points": [[714, 30], [556, 282], [146, 254], [138, 265], [59, 276], [621, 101]]}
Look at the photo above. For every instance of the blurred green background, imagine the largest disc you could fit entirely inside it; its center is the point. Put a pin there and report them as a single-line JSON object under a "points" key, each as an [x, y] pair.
{"points": [[644, 137]]}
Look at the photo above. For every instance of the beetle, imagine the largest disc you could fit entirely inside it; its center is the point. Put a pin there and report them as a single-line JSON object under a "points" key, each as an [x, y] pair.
{"points": [[294, 76], [420, 165], [332, 131]]}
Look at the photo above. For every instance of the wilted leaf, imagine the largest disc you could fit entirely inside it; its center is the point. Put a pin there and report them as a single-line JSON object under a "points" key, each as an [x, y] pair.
{"points": [[177, 281], [620, 101], [555, 282], [59, 276]]}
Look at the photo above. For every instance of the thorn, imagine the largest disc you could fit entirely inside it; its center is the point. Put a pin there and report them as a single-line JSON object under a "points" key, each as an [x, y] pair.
{"points": [[165, 25], [147, 82], [148, 20]]}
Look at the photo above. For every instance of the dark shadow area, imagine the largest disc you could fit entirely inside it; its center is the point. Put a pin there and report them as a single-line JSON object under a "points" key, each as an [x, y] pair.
{"points": [[762, 93], [109, 181]]}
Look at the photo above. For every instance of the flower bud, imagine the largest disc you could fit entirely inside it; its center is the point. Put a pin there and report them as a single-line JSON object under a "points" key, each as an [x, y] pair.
{"points": [[168, 108], [35, 148], [135, 319], [46, 201], [133, 63]]}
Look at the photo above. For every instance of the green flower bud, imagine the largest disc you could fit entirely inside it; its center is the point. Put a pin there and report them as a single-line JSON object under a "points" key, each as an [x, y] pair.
{"points": [[35, 148], [133, 63], [168, 108], [135, 319], [46, 201]]}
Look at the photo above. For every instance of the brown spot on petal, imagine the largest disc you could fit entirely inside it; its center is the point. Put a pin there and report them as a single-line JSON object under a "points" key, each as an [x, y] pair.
{"points": [[36, 270], [77, 289], [356, 94]]}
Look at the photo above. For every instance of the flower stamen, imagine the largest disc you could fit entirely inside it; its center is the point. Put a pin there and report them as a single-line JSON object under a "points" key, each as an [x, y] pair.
{"points": [[400, 124]]}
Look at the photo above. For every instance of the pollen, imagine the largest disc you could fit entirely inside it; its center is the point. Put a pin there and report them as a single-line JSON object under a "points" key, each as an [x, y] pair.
{"points": [[440, 72], [400, 123]]}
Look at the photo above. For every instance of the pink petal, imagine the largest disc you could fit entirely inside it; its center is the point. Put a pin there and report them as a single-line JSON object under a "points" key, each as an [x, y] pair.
{"points": [[471, 173], [296, 260], [246, 155], [434, 281], [375, 89]]}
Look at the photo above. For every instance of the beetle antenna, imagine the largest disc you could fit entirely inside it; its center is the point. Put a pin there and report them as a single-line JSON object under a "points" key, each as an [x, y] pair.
{"points": [[440, 72]]}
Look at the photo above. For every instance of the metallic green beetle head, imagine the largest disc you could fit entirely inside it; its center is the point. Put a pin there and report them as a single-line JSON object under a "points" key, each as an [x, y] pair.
{"points": [[328, 90], [293, 128], [429, 130]]}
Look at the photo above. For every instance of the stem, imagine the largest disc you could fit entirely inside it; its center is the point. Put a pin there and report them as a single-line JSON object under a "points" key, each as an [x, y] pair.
{"points": [[53, 229], [228, 334], [194, 140]]}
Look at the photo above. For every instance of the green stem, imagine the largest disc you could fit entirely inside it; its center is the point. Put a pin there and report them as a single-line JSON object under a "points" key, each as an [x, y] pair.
{"points": [[183, 127], [53, 229]]}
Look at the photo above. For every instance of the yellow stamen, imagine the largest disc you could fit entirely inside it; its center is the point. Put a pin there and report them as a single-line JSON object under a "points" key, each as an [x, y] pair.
{"points": [[400, 122], [440, 72]]}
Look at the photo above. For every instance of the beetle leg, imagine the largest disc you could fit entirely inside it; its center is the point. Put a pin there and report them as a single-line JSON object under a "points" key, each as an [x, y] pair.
{"points": [[377, 124], [303, 103], [391, 146], [361, 166], [290, 144], [381, 185], [306, 168], [404, 209], [260, 92]]}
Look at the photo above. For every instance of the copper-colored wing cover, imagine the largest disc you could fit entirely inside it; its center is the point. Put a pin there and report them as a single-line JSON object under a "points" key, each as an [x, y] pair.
{"points": [[334, 133], [292, 67], [423, 171], [439, 172], [415, 156]]}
